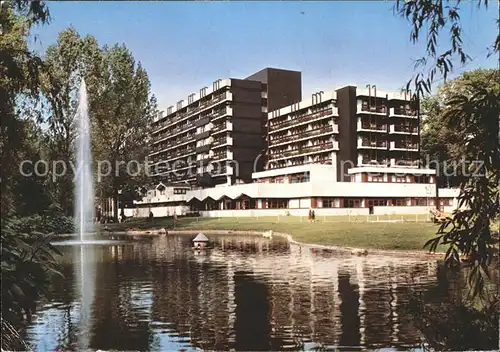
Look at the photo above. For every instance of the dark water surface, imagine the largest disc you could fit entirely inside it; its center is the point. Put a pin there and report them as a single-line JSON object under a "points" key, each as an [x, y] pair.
{"points": [[245, 294]]}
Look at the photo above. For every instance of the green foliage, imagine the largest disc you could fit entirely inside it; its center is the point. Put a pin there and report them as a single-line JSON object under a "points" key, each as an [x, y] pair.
{"points": [[44, 224], [28, 261], [441, 140], [438, 20], [19, 77], [122, 111], [34, 10], [472, 113]]}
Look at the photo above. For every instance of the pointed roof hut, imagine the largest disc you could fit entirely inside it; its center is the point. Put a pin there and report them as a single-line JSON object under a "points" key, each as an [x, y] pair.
{"points": [[200, 238]]}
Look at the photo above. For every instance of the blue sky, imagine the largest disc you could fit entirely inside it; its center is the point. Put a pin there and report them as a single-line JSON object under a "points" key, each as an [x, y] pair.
{"points": [[185, 46]]}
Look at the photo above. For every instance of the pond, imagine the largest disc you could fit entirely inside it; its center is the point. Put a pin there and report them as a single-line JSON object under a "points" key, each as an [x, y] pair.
{"points": [[247, 293]]}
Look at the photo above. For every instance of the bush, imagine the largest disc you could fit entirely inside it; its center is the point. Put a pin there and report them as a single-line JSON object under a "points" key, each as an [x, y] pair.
{"points": [[28, 262], [43, 224]]}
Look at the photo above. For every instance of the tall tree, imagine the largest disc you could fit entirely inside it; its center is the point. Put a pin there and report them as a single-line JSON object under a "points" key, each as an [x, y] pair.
{"points": [[123, 109], [472, 111], [441, 146], [19, 77], [27, 258], [67, 62]]}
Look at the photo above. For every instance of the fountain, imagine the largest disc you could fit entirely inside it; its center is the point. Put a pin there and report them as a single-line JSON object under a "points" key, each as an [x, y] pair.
{"points": [[84, 192]]}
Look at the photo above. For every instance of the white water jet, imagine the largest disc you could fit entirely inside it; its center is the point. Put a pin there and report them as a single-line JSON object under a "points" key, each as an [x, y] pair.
{"points": [[84, 190], [84, 217]]}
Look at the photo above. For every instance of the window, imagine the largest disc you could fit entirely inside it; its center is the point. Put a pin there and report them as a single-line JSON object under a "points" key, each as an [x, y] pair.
{"points": [[277, 203], [352, 203], [328, 203], [400, 202], [422, 202], [377, 202], [378, 178], [179, 191], [422, 179], [400, 179], [299, 178], [446, 202]]}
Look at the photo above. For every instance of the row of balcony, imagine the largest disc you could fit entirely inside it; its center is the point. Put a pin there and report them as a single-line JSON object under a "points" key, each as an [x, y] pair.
{"points": [[222, 141], [190, 125], [304, 150], [364, 143], [222, 127], [364, 126], [300, 161], [294, 135], [169, 144], [215, 167], [193, 110], [392, 162], [382, 110], [296, 120]]}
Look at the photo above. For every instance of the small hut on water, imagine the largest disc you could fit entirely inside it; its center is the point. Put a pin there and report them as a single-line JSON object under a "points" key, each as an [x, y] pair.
{"points": [[200, 241]]}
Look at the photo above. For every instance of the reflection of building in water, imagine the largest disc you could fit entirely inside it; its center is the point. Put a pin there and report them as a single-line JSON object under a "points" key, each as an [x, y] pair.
{"points": [[340, 300]]}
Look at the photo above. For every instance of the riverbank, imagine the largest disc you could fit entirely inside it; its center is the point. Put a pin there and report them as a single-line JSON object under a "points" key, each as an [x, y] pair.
{"points": [[388, 236]]}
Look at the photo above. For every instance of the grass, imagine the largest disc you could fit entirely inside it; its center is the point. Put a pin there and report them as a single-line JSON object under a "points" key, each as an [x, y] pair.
{"points": [[338, 231]]}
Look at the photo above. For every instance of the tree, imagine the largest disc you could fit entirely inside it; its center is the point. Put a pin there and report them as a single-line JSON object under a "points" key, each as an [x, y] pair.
{"points": [[122, 112], [473, 112], [27, 258], [19, 77], [438, 19], [442, 144], [66, 63]]}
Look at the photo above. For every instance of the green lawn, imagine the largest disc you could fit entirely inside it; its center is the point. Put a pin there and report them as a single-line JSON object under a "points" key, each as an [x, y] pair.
{"points": [[338, 231]]}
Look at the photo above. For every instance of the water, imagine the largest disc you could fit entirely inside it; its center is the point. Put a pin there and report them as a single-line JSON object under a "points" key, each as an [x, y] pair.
{"points": [[84, 191], [84, 220], [245, 294]]}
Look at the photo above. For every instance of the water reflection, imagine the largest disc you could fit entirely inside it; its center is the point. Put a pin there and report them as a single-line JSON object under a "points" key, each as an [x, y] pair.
{"points": [[246, 294]]}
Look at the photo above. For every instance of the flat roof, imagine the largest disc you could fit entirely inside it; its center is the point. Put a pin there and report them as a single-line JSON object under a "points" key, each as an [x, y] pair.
{"points": [[390, 170]]}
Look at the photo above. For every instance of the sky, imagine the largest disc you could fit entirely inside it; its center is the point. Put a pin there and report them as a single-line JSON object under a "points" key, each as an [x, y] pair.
{"points": [[185, 46]]}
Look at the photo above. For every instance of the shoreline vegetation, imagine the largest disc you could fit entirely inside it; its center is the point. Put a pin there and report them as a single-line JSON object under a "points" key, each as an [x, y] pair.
{"points": [[401, 234]]}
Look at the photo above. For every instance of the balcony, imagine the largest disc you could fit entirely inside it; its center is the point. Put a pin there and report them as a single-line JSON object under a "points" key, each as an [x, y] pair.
{"points": [[202, 135], [404, 146], [364, 143], [373, 110], [405, 163], [306, 133], [201, 121], [371, 127], [171, 144], [220, 156], [400, 129], [302, 119], [398, 112], [228, 111], [202, 149], [366, 161], [223, 170], [324, 147], [224, 141], [227, 126], [202, 105]]}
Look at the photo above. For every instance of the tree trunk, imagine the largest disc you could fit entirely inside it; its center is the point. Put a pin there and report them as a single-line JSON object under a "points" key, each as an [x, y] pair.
{"points": [[115, 204]]}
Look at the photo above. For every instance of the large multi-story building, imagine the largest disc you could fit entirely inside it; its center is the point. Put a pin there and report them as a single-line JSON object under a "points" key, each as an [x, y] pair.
{"points": [[256, 146], [348, 127], [215, 137]]}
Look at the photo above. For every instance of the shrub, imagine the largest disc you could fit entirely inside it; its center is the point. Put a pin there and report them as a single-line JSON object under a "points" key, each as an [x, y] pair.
{"points": [[28, 262], [43, 224]]}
